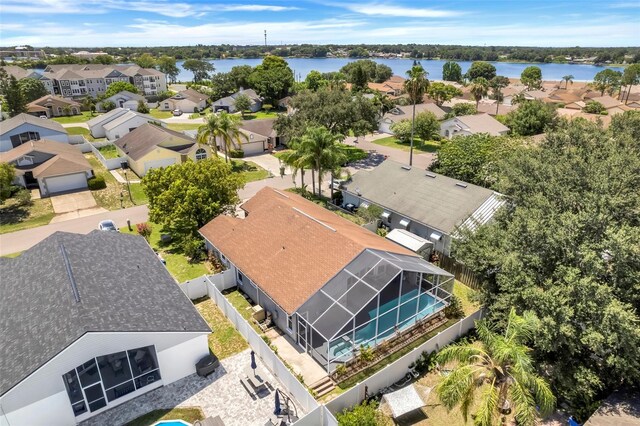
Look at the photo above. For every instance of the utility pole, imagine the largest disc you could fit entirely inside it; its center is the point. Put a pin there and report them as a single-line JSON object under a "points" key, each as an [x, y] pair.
{"points": [[265, 38]]}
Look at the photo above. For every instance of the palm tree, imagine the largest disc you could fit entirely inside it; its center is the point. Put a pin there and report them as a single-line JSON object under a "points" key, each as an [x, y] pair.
{"points": [[415, 85], [293, 159], [230, 132], [479, 89], [500, 370], [208, 133], [567, 79], [322, 150], [498, 83]]}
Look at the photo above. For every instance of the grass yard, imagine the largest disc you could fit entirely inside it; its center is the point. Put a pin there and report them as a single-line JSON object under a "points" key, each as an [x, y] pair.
{"points": [[12, 255], [225, 340], [80, 131], [156, 113], [82, 118], [260, 115], [108, 151], [467, 296], [249, 170], [419, 145], [241, 304], [178, 264], [188, 414], [179, 127], [15, 216], [109, 197]]}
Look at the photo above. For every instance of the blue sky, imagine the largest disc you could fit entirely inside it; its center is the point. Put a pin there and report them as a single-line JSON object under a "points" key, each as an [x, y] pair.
{"points": [[95, 23]]}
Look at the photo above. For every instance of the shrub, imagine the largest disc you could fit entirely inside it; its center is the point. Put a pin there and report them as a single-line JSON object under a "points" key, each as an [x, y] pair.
{"points": [[594, 107], [96, 182], [142, 107], [366, 353], [370, 213], [341, 370], [267, 107], [108, 106], [236, 153], [382, 232], [193, 248], [365, 414], [144, 229], [454, 309], [23, 196]]}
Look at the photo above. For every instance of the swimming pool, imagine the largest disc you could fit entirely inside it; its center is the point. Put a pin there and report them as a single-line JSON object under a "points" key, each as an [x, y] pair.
{"points": [[172, 423]]}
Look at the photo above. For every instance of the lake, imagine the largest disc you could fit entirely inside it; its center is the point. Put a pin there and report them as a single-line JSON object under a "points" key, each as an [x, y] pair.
{"points": [[302, 66]]}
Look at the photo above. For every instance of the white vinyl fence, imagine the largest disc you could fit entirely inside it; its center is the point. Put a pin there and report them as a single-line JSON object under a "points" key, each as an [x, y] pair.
{"points": [[293, 387], [399, 368], [198, 287], [109, 164]]}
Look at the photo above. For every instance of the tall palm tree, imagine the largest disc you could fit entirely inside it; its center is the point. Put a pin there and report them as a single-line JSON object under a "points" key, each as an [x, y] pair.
{"points": [[567, 79], [293, 159], [498, 83], [322, 150], [230, 133], [479, 89], [208, 133], [500, 370], [415, 85]]}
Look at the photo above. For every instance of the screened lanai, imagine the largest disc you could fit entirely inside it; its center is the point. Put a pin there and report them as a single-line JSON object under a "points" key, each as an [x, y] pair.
{"points": [[376, 296]]}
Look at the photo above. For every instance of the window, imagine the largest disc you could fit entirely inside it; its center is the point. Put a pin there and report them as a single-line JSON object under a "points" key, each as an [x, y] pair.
{"points": [[201, 154], [17, 140], [106, 378], [240, 278], [289, 322]]}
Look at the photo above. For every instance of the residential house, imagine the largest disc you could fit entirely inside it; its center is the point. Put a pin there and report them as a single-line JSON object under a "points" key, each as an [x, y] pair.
{"points": [[19, 73], [391, 88], [429, 205], [122, 99], [50, 166], [327, 283], [89, 322], [261, 136], [53, 106], [229, 103], [466, 125], [400, 113], [619, 409], [25, 127], [490, 107], [186, 101], [150, 146], [118, 122]]}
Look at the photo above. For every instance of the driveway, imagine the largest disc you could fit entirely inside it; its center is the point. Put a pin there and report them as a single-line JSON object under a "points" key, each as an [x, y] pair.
{"points": [[65, 203]]}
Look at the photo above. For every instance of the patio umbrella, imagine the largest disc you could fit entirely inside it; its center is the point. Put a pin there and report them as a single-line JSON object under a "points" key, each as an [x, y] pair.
{"points": [[253, 362], [278, 409]]}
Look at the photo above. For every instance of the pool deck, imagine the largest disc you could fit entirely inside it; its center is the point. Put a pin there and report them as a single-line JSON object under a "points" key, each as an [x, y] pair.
{"points": [[221, 394]]}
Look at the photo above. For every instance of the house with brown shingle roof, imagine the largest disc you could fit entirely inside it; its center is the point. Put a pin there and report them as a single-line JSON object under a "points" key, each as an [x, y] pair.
{"points": [[53, 106], [466, 125], [186, 101], [400, 113], [329, 284], [51, 166]]}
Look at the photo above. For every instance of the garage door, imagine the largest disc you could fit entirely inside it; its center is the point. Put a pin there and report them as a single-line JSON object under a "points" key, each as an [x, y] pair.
{"points": [[158, 163], [66, 183]]}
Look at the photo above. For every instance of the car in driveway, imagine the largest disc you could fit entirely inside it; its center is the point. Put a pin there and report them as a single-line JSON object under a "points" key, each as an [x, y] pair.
{"points": [[108, 225], [177, 112]]}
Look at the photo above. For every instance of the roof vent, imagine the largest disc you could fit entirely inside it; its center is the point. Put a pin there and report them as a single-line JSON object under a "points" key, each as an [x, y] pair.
{"points": [[431, 175], [461, 185], [406, 167], [72, 280]]}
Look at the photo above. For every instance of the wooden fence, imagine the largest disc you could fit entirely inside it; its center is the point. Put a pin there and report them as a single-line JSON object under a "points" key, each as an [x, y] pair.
{"points": [[462, 273]]}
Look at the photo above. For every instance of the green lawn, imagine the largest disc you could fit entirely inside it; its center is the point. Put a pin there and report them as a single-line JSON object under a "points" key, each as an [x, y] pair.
{"points": [[178, 265], [467, 296], [156, 113], [179, 127], [108, 151], [188, 414], [241, 304], [249, 170], [419, 145], [12, 255], [260, 115], [16, 217], [109, 197], [80, 131], [225, 340], [82, 118]]}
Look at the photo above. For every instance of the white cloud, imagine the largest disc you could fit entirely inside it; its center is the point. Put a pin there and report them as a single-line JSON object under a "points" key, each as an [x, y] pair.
{"points": [[386, 9], [254, 8]]}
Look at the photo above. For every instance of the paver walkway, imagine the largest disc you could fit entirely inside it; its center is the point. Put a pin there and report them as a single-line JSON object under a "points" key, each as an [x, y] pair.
{"points": [[120, 179], [220, 394]]}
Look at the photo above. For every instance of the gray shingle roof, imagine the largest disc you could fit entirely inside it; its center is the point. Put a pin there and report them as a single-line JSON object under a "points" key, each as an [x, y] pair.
{"points": [[122, 287], [20, 119], [434, 201], [141, 141]]}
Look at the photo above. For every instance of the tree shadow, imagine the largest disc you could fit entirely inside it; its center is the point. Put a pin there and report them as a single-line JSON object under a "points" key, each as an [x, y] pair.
{"points": [[14, 213]]}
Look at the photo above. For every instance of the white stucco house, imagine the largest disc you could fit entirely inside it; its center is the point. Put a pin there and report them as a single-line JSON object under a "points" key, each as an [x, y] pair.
{"points": [[186, 101], [229, 103], [118, 122], [123, 99], [25, 127], [466, 125], [400, 113], [102, 331]]}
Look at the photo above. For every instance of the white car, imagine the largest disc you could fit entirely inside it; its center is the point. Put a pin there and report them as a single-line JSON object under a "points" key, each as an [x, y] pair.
{"points": [[177, 112], [108, 225]]}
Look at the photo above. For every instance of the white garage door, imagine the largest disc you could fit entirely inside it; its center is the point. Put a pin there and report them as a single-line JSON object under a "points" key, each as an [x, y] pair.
{"points": [[66, 183], [158, 163]]}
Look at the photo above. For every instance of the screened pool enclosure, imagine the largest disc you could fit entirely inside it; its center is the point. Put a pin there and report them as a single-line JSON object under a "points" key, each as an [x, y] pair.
{"points": [[375, 297]]}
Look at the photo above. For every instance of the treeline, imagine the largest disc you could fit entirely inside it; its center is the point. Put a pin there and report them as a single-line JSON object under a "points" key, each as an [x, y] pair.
{"points": [[417, 51]]}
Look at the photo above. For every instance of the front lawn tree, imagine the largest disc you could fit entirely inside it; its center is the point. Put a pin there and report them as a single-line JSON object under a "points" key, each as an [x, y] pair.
{"points": [[323, 151], [499, 372], [242, 103], [427, 126], [201, 69], [402, 130], [184, 197], [229, 133], [118, 87], [451, 71], [32, 89], [531, 118], [7, 174], [531, 77], [416, 85], [441, 92], [480, 69], [14, 101]]}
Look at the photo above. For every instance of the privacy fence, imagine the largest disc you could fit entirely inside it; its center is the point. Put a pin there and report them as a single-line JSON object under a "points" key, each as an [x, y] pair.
{"points": [[463, 273], [93, 147]]}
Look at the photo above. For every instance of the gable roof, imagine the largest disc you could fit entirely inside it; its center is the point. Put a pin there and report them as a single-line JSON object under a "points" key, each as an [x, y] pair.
{"points": [[607, 101], [142, 140], [261, 127], [106, 117], [190, 94], [481, 123], [126, 94], [20, 119], [19, 73], [290, 247], [121, 284], [129, 115], [52, 98], [490, 108], [405, 112], [65, 158], [429, 198]]}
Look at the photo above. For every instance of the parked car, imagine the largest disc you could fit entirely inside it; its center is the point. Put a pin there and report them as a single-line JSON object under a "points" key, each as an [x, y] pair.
{"points": [[107, 225], [177, 112]]}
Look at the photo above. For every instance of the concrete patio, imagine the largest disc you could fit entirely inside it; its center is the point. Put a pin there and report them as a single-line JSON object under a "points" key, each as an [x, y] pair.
{"points": [[221, 394], [300, 362]]}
